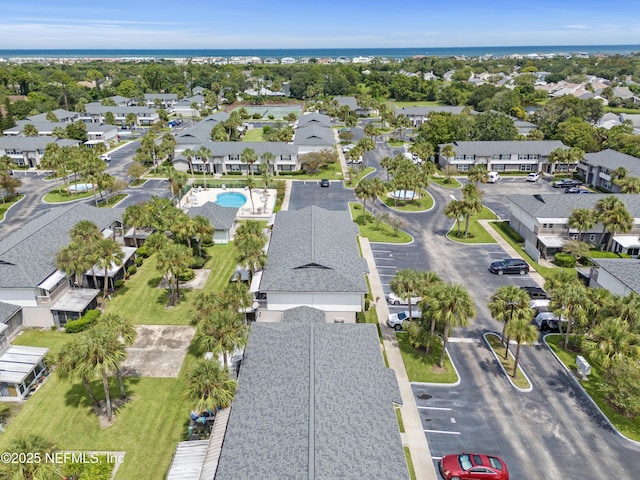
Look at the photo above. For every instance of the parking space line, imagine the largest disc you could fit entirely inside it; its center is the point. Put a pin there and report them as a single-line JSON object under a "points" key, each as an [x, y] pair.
{"points": [[387, 266], [381, 251], [445, 432], [435, 408]]}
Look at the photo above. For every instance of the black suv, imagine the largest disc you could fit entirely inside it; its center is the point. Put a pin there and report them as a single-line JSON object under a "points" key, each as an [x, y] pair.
{"points": [[566, 183], [509, 265], [535, 292]]}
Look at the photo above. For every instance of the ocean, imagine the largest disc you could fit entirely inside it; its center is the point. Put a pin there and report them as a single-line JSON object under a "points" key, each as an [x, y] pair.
{"points": [[327, 52]]}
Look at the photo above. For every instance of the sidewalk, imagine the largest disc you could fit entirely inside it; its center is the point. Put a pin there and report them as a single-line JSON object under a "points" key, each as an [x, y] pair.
{"points": [[414, 436], [510, 250]]}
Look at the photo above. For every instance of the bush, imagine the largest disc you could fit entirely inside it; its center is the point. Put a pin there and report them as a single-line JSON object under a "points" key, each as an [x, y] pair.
{"points": [[510, 232], [564, 260], [118, 283], [187, 275], [84, 322], [294, 173], [234, 173], [139, 261], [208, 242], [143, 251], [198, 262], [132, 269]]}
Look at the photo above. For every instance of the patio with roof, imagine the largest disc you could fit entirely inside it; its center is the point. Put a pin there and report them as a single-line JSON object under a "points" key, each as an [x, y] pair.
{"points": [[20, 369]]}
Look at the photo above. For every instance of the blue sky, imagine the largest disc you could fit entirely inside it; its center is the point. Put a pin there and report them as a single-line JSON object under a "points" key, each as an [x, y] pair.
{"points": [[43, 24]]}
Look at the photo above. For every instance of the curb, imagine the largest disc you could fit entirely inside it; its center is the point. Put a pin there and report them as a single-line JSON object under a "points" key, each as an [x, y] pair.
{"points": [[591, 400], [455, 369], [24, 195], [524, 390]]}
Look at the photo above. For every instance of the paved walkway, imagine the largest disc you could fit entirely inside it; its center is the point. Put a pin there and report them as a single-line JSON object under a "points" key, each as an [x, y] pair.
{"points": [[414, 436], [510, 250]]}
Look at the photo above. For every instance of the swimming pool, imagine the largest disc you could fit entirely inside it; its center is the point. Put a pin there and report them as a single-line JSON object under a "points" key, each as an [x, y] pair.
{"points": [[231, 199], [80, 187]]}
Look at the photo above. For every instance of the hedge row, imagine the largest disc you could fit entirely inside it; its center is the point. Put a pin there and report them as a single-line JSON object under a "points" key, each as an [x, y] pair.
{"points": [[84, 322]]}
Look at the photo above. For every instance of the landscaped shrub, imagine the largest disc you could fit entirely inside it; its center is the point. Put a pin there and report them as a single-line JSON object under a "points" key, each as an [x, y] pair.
{"points": [[198, 262], [186, 275], [234, 173], [132, 269], [139, 261], [118, 283], [208, 242], [84, 322], [564, 260], [509, 232], [294, 173], [143, 251]]}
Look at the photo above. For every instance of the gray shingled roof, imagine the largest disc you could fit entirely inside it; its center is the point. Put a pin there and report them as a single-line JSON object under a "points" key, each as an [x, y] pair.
{"points": [[314, 250], [221, 218], [7, 310], [612, 159], [98, 109], [60, 114], [314, 135], [560, 206], [161, 96], [625, 270], [350, 102], [27, 256], [201, 131], [423, 111], [314, 118], [488, 148], [314, 401], [33, 143], [220, 149]]}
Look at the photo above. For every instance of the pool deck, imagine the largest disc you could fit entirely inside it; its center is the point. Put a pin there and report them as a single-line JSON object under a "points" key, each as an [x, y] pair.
{"points": [[263, 203]]}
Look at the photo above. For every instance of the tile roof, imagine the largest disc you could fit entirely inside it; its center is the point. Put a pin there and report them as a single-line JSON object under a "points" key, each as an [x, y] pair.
{"points": [[314, 250], [625, 270], [27, 256], [613, 159], [561, 206], [221, 218], [488, 148], [314, 401]]}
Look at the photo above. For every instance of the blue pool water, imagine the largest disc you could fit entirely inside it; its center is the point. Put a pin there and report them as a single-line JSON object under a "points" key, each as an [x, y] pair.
{"points": [[231, 199]]}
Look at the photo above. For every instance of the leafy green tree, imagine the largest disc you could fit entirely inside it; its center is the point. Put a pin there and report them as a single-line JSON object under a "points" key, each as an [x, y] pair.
{"points": [[406, 284], [32, 446], [136, 170], [222, 333], [134, 216], [521, 331], [494, 126], [173, 259], [582, 219], [509, 303], [249, 156], [73, 260], [472, 204], [209, 386], [109, 255]]}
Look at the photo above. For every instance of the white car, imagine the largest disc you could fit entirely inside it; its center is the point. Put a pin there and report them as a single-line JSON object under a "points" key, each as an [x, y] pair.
{"points": [[533, 177], [348, 148], [396, 320], [393, 299], [106, 157], [493, 177]]}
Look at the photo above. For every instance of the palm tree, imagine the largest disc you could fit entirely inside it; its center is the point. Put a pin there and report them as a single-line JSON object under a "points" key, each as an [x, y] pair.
{"points": [[202, 229], [70, 365], [376, 188], [185, 229], [249, 156], [236, 297], [451, 305], [177, 181], [209, 386], [125, 333], [612, 342], [406, 284], [204, 153], [134, 216], [109, 255], [509, 303], [250, 252], [223, 332], [582, 219], [522, 331], [73, 260], [87, 233], [268, 158], [618, 220], [388, 164], [571, 301], [478, 173], [455, 209], [32, 446], [188, 153], [173, 259], [251, 184], [448, 153], [603, 208], [630, 185], [363, 192], [472, 202], [204, 305]]}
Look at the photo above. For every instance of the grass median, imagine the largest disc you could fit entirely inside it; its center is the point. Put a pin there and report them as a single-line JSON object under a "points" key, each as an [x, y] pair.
{"points": [[477, 233], [423, 367], [376, 231]]}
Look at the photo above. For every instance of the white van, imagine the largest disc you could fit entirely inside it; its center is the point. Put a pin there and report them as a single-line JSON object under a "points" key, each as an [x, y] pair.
{"points": [[493, 177]]}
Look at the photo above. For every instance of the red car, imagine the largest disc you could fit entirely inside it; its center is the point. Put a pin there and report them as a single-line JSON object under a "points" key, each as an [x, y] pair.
{"points": [[473, 466]]}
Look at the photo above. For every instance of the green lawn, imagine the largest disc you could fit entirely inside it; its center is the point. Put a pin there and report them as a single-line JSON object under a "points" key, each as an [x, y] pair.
{"points": [[356, 175], [496, 345], [37, 337], [253, 135], [453, 183], [425, 202], [111, 201], [423, 103], [5, 206], [422, 367], [627, 426], [383, 234], [138, 183], [477, 233], [54, 196], [141, 301], [147, 428]]}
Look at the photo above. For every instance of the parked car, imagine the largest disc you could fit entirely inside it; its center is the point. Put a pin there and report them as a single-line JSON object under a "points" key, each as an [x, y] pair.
{"points": [[533, 177], [547, 322], [509, 265], [473, 466], [535, 292], [566, 183], [540, 305], [575, 190], [493, 177], [396, 320], [393, 299], [347, 148], [324, 182], [106, 157]]}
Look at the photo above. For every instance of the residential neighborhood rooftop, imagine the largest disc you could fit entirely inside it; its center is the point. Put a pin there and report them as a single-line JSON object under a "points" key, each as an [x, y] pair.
{"points": [[561, 206]]}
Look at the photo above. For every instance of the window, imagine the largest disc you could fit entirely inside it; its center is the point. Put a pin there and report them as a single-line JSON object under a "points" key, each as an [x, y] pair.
{"points": [[463, 167], [495, 156], [605, 171], [459, 157], [526, 167], [234, 158], [633, 252], [592, 237], [534, 157], [499, 167], [574, 236], [285, 157], [286, 168], [522, 157]]}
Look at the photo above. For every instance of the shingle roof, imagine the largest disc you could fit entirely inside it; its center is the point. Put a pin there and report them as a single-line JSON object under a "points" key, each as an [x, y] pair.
{"points": [[7, 311], [34, 143], [201, 131], [60, 114], [221, 218], [27, 256], [219, 149], [314, 401], [625, 270], [314, 118], [314, 135], [488, 148], [561, 206], [350, 102], [612, 159], [423, 111], [314, 250]]}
